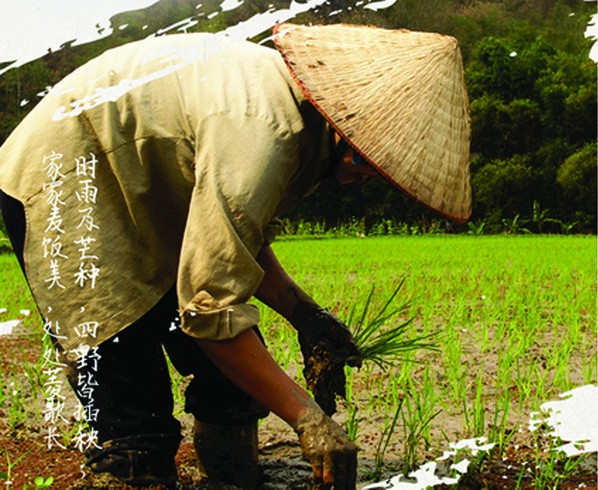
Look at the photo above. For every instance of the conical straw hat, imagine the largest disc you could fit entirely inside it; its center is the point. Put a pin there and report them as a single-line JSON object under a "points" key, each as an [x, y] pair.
{"points": [[398, 97]]}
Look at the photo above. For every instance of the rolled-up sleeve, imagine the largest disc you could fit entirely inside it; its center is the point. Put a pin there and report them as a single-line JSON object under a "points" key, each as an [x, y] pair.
{"points": [[242, 170]]}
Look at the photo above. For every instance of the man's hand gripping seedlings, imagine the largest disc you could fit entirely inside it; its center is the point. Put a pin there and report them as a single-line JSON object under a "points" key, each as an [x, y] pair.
{"points": [[327, 345]]}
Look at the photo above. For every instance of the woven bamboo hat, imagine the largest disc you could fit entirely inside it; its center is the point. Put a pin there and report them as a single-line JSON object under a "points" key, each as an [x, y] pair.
{"points": [[398, 97]]}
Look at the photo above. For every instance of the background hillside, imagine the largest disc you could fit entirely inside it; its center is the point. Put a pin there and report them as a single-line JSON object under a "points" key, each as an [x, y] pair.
{"points": [[532, 94]]}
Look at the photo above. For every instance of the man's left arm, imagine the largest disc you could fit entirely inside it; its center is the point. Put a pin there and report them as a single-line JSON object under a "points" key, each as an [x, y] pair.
{"points": [[277, 289], [326, 342]]}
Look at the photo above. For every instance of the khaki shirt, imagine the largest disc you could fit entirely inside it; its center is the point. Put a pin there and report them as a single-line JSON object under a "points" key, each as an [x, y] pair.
{"points": [[159, 161]]}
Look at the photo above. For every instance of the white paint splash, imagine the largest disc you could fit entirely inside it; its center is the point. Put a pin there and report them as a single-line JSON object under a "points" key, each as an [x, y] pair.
{"points": [[479, 444], [461, 467], [28, 30], [241, 31], [230, 5], [425, 476], [591, 32], [184, 55], [256, 24], [573, 420], [384, 4], [422, 478], [6, 328], [181, 25]]}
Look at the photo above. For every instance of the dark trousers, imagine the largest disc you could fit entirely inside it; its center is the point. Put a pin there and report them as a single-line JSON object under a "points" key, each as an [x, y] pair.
{"points": [[133, 398]]}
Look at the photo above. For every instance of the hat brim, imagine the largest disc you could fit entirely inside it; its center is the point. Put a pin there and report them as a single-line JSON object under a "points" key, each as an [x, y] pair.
{"points": [[413, 129]]}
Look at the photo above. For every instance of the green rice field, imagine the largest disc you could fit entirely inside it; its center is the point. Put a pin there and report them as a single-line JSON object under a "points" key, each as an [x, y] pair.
{"points": [[513, 319], [514, 316]]}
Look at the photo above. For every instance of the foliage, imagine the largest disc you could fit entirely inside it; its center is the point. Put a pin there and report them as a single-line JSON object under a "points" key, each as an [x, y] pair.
{"points": [[577, 177], [514, 226], [532, 99], [5, 245], [476, 228], [531, 111], [41, 482]]}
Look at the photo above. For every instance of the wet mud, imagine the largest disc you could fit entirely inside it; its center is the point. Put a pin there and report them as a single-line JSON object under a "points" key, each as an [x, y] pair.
{"points": [[325, 377]]}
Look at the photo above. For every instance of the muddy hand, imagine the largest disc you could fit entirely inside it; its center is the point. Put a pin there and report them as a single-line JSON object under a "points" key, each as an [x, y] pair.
{"points": [[317, 325], [327, 345], [326, 446]]}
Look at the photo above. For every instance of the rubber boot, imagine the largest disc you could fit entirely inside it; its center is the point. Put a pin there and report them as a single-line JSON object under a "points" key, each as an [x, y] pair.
{"points": [[227, 454], [138, 461]]}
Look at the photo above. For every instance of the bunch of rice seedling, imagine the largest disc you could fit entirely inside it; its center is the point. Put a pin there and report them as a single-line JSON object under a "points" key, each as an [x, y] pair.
{"points": [[386, 345]]}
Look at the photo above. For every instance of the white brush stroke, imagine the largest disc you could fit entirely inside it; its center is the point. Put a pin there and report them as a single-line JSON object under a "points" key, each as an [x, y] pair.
{"points": [[384, 4], [591, 32], [424, 476], [230, 5], [6, 328], [573, 420], [29, 29]]}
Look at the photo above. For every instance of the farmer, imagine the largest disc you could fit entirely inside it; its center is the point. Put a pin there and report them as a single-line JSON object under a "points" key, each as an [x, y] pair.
{"points": [[141, 196]]}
